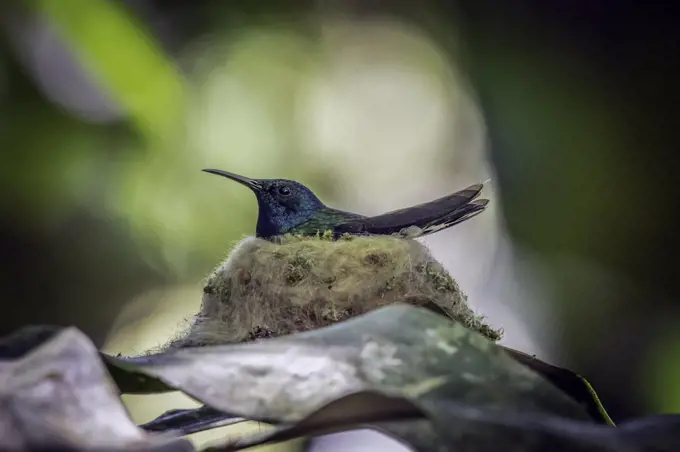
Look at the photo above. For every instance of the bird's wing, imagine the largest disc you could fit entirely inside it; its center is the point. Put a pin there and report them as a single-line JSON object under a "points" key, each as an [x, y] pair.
{"points": [[421, 219]]}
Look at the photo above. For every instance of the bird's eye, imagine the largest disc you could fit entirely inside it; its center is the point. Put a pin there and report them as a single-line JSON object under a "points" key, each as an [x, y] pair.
{"points": [[284, 191]]}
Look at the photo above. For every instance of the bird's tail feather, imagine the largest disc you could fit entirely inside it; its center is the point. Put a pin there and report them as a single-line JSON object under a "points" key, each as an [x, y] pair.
{"points": [[459, 215], [421, 219]]}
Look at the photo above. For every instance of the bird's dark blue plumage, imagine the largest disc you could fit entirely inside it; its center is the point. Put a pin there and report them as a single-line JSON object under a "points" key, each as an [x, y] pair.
{"points": [[287, 206]]}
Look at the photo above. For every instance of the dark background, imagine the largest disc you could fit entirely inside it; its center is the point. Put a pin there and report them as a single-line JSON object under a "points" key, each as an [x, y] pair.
{"points": [[579, 101]]}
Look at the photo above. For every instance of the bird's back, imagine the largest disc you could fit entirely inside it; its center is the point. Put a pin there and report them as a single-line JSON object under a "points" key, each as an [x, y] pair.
{"points": [[325, 219]]}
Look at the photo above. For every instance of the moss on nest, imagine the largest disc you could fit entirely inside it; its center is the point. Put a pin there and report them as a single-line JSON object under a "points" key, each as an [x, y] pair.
{"points": [[266, 289]]}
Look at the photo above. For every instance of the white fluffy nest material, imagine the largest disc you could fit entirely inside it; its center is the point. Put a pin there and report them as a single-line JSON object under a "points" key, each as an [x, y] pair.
{"points": [[266, 289]]}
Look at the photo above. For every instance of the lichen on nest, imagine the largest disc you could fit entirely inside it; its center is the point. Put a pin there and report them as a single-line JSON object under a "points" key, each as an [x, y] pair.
{"points": [[266, 289]]}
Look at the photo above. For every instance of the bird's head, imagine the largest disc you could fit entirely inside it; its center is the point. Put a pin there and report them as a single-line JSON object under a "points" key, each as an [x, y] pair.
{"points": [[283, 204]]}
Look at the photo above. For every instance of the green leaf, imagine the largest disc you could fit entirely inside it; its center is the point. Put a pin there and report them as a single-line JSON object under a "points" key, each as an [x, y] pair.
{"points": [[124, 58], [571, 383], [396, 351]]}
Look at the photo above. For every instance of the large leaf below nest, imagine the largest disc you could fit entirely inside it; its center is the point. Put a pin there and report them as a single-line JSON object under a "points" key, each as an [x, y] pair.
{"points": [[395, 351], [375, 369], [408, 372]]}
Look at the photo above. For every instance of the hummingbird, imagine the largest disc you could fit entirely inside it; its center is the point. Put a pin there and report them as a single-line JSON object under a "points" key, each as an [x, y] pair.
{"points": [[289, 207]]}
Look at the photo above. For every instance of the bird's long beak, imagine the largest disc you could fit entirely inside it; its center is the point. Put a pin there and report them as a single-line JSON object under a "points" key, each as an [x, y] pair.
{"points": [[253, 184]]}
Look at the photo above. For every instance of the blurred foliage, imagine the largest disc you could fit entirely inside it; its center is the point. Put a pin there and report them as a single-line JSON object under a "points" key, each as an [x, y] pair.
{"points": [[116, 49], [581, 128], [662, 372]]}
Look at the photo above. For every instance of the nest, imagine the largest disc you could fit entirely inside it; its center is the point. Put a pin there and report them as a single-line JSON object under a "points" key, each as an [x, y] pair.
{"points": [[266, 289]]}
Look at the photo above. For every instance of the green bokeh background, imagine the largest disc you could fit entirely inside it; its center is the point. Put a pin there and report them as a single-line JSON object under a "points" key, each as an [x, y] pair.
{"points": [[107, 223]]}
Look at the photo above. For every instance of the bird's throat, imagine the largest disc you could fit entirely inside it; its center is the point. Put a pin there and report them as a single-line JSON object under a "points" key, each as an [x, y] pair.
{"points": [[278, 221]]}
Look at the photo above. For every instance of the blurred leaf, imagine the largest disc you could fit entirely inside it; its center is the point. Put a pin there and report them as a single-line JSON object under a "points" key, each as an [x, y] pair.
{"points": [[186, 422], [26, 339], [279, 379], [462, 427], [387, 371], [571, 383], [431, 383], [117, 49], [660, 432], [59, 396], [345, 413], [452, 426], [131, 381]]}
